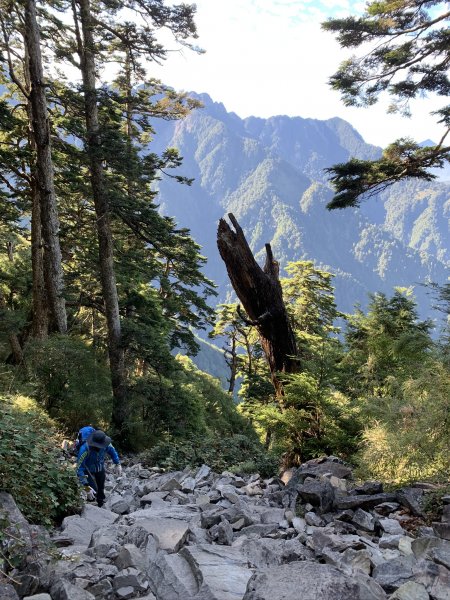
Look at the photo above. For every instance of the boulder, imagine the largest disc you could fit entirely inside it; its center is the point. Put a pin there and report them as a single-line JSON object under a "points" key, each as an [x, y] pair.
{"points": [[410, 591], [63, 590], [394, 573], [222, 572], [7, 592], [364, 501], [318, 493], [171, 576], [412, 498], [302, 580]]}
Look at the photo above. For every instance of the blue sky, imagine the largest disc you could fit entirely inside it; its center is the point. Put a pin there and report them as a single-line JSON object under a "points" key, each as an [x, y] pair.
{"points": [[269, 57]]}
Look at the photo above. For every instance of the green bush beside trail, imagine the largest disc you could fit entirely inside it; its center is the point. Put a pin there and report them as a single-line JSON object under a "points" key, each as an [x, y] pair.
{"points": [[32, 470]]}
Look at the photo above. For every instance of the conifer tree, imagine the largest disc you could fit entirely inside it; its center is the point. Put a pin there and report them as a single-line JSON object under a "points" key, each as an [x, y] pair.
{"points": [[406, 54], [22, 68]]}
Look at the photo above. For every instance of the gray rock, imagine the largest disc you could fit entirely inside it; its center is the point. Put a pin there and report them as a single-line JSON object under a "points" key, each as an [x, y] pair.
{"points": [[170, 484], [412, 499], [224, 533], [422, 547], [442, 530], [391, 575], [369, 487], [391, 526], [268, 552], [102, 589], [130, 556], [170, 533], [445, 517], [171, 577], [318, 467], [7, 592], [130, 577], [121, 505], [321, 539], [103, 539], [272, 515], [389, 541], [222, 571], [258, 529], [363, 520], [441, 556], [410, 591], [299, 524], [27, 584], [203, 473], [125, 592], [435, 578], [319, 493], [15, 525], [81, 528], [63, 590], [35, 597], [368, 501], [386, 508], [188, 484], [152, 497], [302, 580]]}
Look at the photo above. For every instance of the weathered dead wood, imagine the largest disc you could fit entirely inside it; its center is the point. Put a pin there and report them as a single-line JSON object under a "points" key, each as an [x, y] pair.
{"points": [[260, 293]]}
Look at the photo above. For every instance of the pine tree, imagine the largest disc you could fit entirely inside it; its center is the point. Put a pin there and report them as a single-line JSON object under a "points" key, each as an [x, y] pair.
{"points": [[406, 55]]}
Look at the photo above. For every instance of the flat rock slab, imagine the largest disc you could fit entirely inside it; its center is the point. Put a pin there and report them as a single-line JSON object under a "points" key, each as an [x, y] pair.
{"points": [[222, 571], [302, 581], [171, 577], [169, 533], [367, 501], [410, 591], [81, 528]]}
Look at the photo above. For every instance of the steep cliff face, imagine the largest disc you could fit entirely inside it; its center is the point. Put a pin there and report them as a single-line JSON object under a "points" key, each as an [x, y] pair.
{"points": [[270, 174]]}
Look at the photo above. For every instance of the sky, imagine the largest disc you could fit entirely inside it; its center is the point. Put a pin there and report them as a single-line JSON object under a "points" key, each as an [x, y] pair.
{"points": [[270, 57]]}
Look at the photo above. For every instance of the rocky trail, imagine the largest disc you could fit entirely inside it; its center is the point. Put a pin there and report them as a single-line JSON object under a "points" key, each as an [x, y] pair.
{"points": [[198, 535]]}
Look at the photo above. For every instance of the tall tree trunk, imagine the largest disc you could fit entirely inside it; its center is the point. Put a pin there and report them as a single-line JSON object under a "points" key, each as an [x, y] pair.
{"points": [[233, 366], [261, 295], [86, 46], [49, 221], [40, 311]]}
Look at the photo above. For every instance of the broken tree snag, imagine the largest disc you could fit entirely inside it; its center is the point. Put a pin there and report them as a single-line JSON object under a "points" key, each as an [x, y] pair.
{"points": [[260, 294]]}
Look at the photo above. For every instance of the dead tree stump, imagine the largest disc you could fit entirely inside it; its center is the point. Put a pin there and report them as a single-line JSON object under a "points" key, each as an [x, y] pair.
{"points": [[260, 293]]}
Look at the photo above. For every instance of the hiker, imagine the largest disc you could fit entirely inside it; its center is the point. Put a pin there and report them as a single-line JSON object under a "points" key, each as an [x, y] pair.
{"points": [[91, 464]]}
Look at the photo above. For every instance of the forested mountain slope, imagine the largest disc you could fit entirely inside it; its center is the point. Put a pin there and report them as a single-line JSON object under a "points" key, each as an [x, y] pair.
{"points": [[270, 174]]}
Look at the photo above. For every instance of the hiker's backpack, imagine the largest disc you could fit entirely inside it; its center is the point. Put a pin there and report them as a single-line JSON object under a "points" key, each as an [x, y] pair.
{"points": [[83, 435]]}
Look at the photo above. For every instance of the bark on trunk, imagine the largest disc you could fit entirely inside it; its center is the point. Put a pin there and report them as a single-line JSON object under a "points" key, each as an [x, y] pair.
{"points": [[106, 254], [260, 293], [39, 328], [49, 221], [232, 363]]}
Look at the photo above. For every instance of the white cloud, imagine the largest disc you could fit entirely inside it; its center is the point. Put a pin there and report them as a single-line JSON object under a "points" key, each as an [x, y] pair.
{"points": [[268, 57]]}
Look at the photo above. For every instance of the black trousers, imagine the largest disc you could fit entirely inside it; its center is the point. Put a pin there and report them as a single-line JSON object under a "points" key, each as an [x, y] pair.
{"points": [[97, 482]]}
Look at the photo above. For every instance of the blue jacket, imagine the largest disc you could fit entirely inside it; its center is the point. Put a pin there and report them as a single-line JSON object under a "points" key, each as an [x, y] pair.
{"points": [[89, 459]]}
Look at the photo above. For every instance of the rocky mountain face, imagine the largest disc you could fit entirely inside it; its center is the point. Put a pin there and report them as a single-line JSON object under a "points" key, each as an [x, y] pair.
{"points": [[312, 534], [270, 174]]}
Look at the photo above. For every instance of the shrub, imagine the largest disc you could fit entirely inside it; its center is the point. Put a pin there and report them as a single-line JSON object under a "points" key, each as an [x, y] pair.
{"points": [[236, 452], [71, 382], [410, 438], [43, 485]]}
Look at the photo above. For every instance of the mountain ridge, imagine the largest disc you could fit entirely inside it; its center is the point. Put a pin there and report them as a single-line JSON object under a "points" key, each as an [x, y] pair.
{"points": [[270, 174]]}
